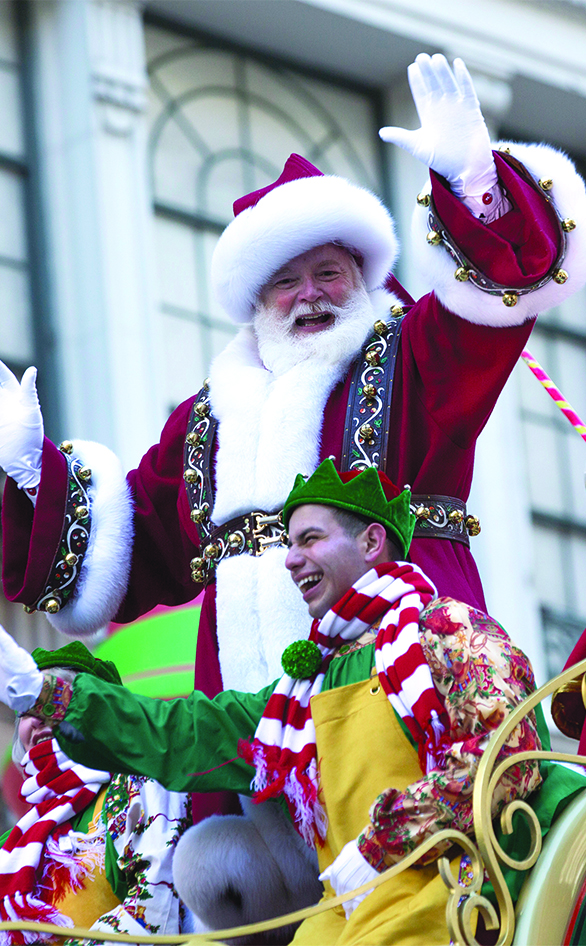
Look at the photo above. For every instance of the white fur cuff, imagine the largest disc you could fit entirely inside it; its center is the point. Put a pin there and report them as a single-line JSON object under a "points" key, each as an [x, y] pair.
{"points": [[464, 298], [104, 574]]}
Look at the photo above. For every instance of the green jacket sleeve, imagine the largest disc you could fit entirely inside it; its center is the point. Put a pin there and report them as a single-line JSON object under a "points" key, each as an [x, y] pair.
{"points": [[185, 744]]}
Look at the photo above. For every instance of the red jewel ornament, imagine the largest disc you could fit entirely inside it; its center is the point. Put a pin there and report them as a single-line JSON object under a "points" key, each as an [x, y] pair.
{"points": [[487, 198]]}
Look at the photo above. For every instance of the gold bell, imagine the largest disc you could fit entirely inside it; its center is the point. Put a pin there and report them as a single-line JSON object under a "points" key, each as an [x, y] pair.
{"points": [[27, 609], [197, 563], [202, 409], [505, 150], [371, 358], [456, 515], [85, 473], [560, 276], [190, 476], [198, 515], [198, 576], [510, 299], [568, 224], [193, 438], [423, 200], [380, 327], [462, 274], [397, 311], [66, 446], [369, 391], [81, 512], [433, 238], [206, 384], [473, 525], [71, 559], [211, 551], [546, 183], [52, 606], [422, 512], [234, 540], [367, 431]]}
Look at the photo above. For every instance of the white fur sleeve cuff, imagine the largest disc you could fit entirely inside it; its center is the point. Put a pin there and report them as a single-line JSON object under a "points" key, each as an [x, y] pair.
{"points": [[568, 196], [103, 579]]}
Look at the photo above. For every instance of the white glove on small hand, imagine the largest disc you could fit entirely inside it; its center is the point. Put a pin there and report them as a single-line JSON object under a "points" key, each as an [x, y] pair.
{"points": [[348, 871], [453, 139], [21, 427], [21, 681]]}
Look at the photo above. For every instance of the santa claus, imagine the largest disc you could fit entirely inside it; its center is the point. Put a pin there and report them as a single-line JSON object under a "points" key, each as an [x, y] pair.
{"points": [[333, 359]]}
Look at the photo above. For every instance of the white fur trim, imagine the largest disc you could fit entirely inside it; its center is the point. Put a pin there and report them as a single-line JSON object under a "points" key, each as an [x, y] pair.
{"points": [[290, 220], [232, 870], [104, 574], [569, 196]]}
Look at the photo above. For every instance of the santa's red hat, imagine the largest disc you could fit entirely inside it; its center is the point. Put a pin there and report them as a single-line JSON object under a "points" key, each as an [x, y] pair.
{"points": [[302, 209]]}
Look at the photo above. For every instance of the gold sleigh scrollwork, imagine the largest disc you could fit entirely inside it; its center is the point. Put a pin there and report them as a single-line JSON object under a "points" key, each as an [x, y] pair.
{"points": [[464, 901]]}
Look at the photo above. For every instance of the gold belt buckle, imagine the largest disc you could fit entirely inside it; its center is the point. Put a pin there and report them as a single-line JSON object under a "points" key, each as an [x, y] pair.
{"points": [[274, 523]]}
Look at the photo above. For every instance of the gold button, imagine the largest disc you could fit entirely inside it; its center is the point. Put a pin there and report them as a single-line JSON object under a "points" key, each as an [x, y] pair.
{"points": [[211, 551], [85, 473], [367, 431], [52, 606], [433, 238], [560, 276], [423, 200], [198, 515], [510, 299], [369, 391], [235, 540], [462, 274], [193, 438], [371, 358], [380, 327], [202, 409], [71, 559], [190, 476], [81, 512], [66, 446]]}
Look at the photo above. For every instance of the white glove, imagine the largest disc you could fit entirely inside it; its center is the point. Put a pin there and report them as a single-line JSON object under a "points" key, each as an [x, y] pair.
{"points": [[348, 871], [21, 681], [453, 139], [21, 427]]}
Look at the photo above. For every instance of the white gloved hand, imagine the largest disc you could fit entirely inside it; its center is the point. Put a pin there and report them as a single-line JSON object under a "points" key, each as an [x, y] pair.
{"points": [[453, 139], [348, 871], [21, 681], [21, 427]]}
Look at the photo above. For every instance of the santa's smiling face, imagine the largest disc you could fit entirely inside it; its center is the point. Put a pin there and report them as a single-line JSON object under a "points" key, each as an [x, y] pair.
{"points": [[306, 293], [315, 308]]}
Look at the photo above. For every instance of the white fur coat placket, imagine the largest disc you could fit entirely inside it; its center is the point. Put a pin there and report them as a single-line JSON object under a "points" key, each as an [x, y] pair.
{"points": [[269, 430]]}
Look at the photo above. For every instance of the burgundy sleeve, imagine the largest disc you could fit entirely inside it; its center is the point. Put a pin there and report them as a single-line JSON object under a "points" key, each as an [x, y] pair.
{"points": [[516, 250]]}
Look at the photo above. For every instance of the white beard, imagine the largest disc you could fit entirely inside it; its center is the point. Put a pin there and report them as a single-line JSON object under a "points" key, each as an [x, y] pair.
{"points": [[280, 350]]}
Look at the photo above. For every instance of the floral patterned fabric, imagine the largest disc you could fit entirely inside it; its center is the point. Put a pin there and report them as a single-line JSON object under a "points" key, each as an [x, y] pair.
{"points": [[481, 677], [143, 823]]}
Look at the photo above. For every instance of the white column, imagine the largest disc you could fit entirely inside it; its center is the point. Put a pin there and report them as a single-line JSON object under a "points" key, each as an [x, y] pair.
{"points": [[90, 92]]}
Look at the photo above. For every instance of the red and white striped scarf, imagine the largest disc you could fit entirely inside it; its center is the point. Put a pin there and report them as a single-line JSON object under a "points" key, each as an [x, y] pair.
{"points": [[58, 789], [283, 750]]}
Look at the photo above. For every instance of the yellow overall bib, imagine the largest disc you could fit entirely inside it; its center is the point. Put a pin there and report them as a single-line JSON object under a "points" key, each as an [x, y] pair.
{"points": [[361, 751], [96, 897]]}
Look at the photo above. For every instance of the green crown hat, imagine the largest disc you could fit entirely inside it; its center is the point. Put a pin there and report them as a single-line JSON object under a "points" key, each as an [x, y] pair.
{"points": [[78, 657], [360, 493]]}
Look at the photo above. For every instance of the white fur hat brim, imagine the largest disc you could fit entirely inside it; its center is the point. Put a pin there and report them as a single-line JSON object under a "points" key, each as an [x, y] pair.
{"points": [[294, 218]]}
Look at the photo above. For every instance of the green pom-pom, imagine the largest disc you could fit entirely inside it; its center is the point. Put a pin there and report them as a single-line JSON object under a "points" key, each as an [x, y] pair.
{"points": [[301, 659]]}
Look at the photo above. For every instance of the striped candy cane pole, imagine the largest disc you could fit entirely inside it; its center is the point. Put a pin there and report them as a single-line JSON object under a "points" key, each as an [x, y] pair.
{"points": [[554, 393]]}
